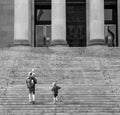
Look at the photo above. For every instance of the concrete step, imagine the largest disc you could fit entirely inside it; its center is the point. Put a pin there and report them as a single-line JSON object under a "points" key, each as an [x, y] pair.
{"points": [[83, 108], [89, 78]]}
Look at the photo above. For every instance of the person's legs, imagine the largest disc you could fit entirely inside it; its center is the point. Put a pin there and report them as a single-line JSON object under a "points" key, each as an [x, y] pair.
{"points": [[33, 96], [55, 98], [30, 97]]}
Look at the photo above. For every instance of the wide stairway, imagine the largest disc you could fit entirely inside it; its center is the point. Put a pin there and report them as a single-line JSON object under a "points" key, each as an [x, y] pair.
{"points": [[89, 77]]}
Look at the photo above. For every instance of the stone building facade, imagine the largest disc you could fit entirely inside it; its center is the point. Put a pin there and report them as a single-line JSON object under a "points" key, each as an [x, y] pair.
{"points": [[76, 23]]}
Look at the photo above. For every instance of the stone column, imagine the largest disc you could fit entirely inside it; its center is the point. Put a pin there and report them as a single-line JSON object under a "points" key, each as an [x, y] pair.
{"points": [[21, 21], [58, 22], [118, 5], [95, 15], [32, 22]]}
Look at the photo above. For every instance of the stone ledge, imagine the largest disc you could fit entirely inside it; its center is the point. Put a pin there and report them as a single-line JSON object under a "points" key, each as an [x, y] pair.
{"points": [[58, 43], [22, 42]]}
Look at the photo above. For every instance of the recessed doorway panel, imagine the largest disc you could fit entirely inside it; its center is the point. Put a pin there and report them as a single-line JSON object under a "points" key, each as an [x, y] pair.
{"points": [[110, 12], [76, 24], [42, 22]]}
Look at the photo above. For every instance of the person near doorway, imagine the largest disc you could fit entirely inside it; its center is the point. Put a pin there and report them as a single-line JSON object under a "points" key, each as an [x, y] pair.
{"points": [[31, 81]]}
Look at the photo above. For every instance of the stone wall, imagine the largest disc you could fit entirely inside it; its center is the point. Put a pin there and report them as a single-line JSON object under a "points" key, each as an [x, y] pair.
{"points": [[6, 22]]}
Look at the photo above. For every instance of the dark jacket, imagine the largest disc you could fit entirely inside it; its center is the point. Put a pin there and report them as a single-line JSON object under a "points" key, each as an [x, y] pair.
{"points": [[55, 89], [34, 79]]}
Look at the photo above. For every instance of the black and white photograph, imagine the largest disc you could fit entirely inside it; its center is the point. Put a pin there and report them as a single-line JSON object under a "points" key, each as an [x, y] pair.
{"points": [[59, 57]]}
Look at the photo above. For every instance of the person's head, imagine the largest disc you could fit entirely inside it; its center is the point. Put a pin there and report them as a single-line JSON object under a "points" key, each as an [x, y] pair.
{"points": [[54, 84], [30, 74], [33, 74]]}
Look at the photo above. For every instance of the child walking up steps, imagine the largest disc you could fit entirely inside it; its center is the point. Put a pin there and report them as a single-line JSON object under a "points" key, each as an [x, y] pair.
{"points": [[55, 89]]}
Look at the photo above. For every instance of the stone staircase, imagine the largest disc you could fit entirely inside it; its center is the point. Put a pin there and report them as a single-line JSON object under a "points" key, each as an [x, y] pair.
{"points": [[89, 78]]}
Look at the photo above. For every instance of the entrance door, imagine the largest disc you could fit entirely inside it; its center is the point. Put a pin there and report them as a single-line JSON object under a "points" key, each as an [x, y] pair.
{"points": [[42, 32], [111, 21], [76, 25], [42, 22]]}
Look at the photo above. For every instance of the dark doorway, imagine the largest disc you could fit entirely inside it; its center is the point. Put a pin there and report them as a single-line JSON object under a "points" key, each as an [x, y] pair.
{"points": [[76, 23], [110, 9]]}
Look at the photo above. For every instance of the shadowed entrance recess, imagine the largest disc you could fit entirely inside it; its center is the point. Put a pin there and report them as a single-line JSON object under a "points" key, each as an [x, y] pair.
{"points": [[42, 22], [76, 23]]}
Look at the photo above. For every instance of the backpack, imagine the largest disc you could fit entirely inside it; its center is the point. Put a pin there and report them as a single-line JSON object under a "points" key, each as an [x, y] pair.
{"points": [[30, 82]]}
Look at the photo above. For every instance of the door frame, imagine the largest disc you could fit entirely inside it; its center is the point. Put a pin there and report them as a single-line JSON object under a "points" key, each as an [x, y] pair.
{"points": [[114, 20], [33, 20]]}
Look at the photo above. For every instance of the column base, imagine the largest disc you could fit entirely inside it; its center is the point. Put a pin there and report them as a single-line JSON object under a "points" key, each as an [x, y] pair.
{"points": [[96, 42], [21, 42], [58, 42]]}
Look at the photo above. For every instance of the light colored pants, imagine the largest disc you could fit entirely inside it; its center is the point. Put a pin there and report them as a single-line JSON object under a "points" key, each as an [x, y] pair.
{"points": [[31, 97], [54, 99]]}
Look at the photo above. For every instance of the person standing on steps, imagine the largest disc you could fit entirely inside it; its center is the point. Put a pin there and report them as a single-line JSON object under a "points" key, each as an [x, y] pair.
{"points": [[55, 91], [31, 81]]}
